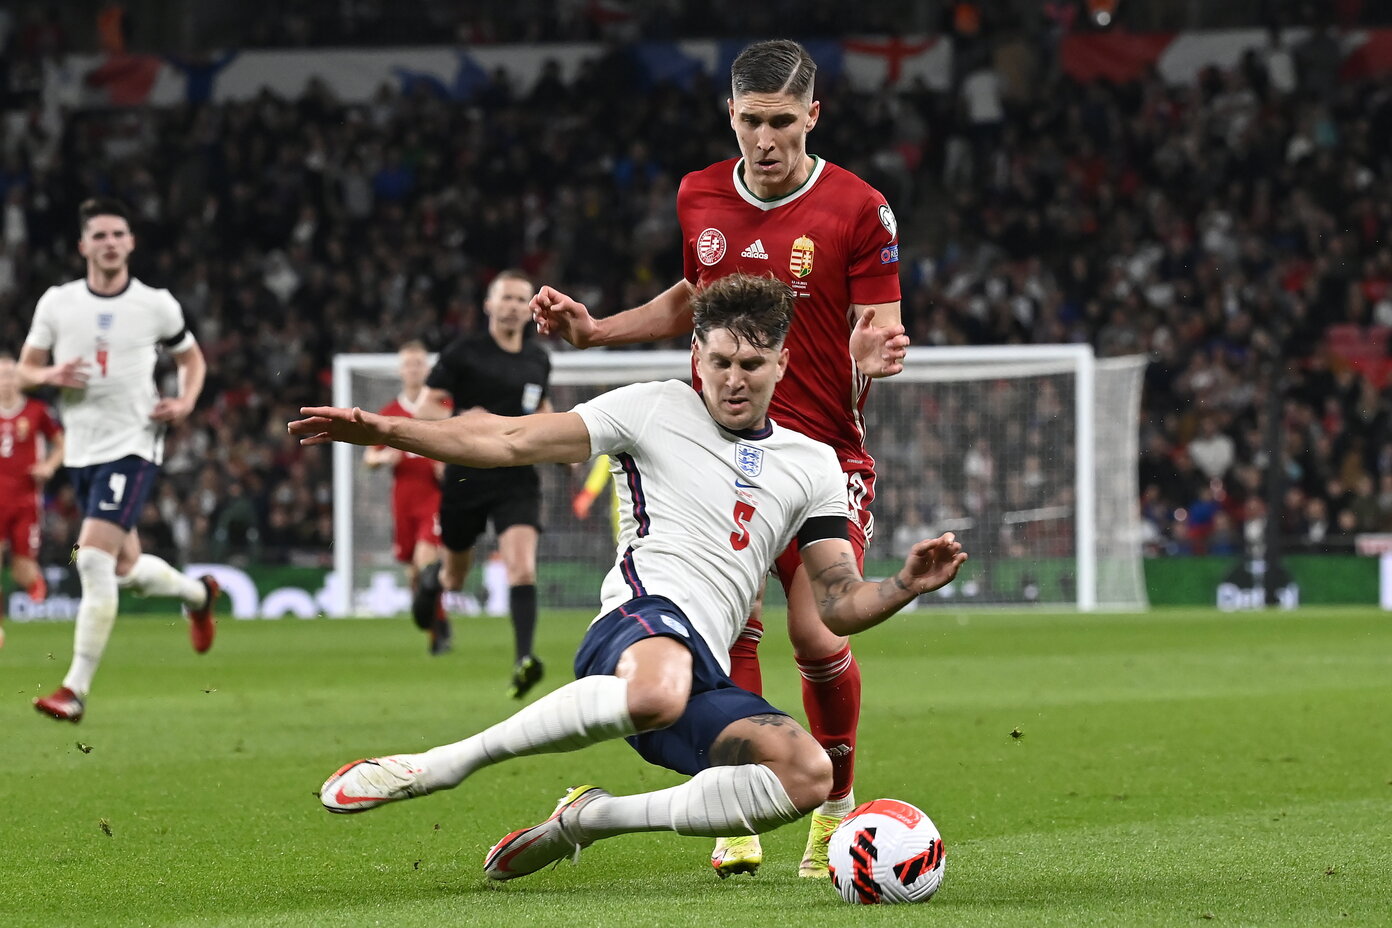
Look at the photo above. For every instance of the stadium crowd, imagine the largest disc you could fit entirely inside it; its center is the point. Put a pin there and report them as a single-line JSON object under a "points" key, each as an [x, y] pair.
{"points": [[1237, 231]]}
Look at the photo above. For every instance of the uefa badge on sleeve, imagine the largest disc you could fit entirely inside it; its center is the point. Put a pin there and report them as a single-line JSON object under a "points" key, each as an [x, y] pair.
{"points": [[888, 221]]}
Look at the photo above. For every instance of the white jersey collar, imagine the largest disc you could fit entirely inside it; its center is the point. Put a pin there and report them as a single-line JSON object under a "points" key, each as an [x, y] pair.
{"points": [[768, 203], [109, 296]]}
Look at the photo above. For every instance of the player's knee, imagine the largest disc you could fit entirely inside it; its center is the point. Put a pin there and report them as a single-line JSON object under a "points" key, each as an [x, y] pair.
{"points": [[125, 566], [807, 777], [656, 704], [799, 762], [24, 570], [96, 569], [812, 640]]}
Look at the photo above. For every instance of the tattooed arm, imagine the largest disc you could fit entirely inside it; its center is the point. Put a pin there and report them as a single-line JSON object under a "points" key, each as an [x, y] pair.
{"points": [[848, 603]]}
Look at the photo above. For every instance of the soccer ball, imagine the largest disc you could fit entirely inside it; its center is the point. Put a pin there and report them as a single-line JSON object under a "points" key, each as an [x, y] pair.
{"points": [[886, 851]]}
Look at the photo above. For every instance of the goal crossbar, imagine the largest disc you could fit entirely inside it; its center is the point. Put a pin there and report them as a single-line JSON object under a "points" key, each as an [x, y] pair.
{"points": [[928, 366]]}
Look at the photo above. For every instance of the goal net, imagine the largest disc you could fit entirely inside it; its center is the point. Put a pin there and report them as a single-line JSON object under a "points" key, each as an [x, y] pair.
{"points": [[1027, 453]]}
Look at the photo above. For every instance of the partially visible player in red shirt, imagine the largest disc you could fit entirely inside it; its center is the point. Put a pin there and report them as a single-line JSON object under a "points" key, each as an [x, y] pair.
{"points": [[416, 480], [22, 475], [834, 240]]}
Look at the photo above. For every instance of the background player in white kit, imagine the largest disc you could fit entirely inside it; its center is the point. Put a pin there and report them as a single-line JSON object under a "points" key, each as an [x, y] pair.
{"points": [[98, 339], [713, 492]]}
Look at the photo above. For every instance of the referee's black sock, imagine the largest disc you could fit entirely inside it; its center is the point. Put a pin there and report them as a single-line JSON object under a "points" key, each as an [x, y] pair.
{"points": [[522, 600]]}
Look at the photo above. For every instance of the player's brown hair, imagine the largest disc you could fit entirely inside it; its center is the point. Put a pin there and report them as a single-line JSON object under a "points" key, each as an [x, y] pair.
{"points": [[414, 344], [93, 207], [775, 66], [756, 310]]}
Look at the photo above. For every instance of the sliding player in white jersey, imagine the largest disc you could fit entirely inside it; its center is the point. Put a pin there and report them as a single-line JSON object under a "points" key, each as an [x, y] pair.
{"points": [[712, 492], [98, 339]]}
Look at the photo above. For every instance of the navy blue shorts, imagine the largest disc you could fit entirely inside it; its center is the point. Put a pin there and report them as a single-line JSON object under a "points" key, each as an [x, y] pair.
{"points": [[115, 491], [715, 699]]}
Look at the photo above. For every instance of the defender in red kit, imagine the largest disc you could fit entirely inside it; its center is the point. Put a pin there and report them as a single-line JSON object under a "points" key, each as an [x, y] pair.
{"points": [[415, 481], [25, 425]]}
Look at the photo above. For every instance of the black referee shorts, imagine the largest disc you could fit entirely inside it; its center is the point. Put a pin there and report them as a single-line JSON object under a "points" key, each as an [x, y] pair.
{"points": [[464, 517]]}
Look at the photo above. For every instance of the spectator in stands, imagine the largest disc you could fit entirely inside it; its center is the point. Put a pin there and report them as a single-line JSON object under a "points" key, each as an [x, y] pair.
{"points": [[1223, 538], [1181, 221], [1212, 451]]}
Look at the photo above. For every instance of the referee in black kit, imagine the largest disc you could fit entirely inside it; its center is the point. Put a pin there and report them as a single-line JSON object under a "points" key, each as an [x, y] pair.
{"points": [[506, 374]]}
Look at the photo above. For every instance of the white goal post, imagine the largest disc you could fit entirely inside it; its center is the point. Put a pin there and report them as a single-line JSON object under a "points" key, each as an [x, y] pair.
{"points": [[1028, 453]]}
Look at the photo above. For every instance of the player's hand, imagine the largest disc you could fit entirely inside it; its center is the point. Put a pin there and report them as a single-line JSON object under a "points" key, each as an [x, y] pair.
{"points": [[41, 473], [70, 374], [323, 425], [171, 409], [384, 456], [878, 351], [932, 563], [580, 504], [557, 314]]}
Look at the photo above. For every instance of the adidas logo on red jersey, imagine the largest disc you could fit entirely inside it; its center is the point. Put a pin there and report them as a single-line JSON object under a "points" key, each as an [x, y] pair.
{"points": [[755, 250]]}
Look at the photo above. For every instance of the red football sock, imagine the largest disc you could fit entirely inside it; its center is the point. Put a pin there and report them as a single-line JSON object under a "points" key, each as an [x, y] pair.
{"points": [[831, 698], [744, 658]]}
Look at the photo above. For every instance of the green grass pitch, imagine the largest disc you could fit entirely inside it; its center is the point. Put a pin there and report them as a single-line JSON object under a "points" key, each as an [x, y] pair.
{"points": [[1176, 768]]}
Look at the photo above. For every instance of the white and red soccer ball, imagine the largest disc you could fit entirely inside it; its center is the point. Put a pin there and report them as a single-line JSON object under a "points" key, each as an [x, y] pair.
{"points": [[886, 851]]}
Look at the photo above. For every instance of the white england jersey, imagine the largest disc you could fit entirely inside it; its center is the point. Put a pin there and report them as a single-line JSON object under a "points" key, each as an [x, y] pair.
{"points": [[704, 511], [119, 337]]}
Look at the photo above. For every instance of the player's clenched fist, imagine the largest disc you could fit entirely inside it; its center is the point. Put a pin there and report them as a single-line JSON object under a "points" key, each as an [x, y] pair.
{"points": [[878, 350], [555, 313]]}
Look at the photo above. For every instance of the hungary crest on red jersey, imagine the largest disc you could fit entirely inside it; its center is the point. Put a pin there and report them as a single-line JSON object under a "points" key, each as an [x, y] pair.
{"points": [[800, 264]]}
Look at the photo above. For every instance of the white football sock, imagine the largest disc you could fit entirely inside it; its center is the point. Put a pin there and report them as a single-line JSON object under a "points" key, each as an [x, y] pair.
{"points": [[838, 807], [96, 614], [153, 576], [588, 711], [717, 802]]}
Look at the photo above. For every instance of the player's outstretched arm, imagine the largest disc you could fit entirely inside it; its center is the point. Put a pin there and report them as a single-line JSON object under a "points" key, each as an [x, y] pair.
{"points": [[474, 439], [878, 342], [664, 316], [848, 603]]}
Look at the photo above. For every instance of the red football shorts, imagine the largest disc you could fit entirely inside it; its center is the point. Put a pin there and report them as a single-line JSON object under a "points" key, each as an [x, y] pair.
{"points": [[415, 524], [19, 526]]}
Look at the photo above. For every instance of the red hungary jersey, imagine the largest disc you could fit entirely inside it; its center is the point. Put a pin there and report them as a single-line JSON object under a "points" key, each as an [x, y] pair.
{"points": [[20, 429], [415, 484], [835, 242]]}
